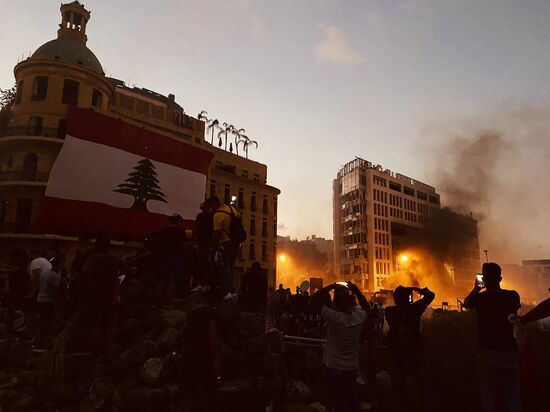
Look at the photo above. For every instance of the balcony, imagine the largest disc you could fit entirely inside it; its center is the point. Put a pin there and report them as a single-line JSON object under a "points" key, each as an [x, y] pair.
{"points": [[23, 176], [30, 131]]}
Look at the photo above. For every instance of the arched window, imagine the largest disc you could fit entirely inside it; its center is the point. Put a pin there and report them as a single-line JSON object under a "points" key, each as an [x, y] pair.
{"points": [[30, 165]]}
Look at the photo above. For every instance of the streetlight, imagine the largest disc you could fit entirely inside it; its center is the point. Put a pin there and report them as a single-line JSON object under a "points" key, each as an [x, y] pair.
{"points": [[486, 255]]}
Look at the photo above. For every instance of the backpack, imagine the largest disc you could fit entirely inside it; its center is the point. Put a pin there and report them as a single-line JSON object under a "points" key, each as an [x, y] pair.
{"points": [[236, 234]]}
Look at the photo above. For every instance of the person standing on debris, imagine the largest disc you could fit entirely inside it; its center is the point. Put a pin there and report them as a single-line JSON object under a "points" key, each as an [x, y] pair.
{"points": [[345, 322], [253, 292], [405, 343], [101, 274], [497, 356], [171, 250], [46, 285], [228, 236]]}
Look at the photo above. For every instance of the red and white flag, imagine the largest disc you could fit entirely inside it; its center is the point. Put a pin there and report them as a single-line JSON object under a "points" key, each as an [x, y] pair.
{"points": [[111, 176]]}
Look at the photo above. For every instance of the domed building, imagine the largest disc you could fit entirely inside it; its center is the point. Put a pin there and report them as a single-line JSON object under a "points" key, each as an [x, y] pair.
{"points": [[64, 72]]}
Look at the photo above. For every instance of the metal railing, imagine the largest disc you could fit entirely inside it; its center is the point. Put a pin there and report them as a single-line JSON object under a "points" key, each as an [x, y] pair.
{"points": [[30, 131]]}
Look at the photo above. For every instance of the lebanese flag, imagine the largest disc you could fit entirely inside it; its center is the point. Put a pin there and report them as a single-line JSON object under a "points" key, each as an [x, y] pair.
{"points": [[111, 176]]}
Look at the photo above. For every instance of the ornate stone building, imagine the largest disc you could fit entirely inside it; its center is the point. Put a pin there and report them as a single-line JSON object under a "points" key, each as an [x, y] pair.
{"points": [[65, 72]]}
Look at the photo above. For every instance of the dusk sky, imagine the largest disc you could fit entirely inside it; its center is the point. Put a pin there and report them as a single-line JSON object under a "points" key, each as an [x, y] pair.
{"points": [[318, 82]]}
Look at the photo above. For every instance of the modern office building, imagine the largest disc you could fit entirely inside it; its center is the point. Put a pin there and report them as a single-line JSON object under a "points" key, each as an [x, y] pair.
{"points": [[378, 214], [64, 72]]}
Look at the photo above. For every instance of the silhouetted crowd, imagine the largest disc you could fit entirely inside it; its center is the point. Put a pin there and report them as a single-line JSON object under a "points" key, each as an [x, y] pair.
{"points": [[177, 263]]}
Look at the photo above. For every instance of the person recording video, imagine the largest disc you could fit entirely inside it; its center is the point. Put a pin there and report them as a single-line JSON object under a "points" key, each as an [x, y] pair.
{"points": [[497, 355]]}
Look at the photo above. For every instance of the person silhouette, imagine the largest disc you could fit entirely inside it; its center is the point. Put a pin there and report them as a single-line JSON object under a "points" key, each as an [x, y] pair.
{"points": [[405, 343], [497, 355]]}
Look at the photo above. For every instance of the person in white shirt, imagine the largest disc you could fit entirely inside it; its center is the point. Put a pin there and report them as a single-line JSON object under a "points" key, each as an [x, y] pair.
{"points": [[345, 322], [46, 284]]}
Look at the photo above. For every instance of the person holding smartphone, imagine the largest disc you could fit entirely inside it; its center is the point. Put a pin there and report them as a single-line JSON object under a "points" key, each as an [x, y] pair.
{"points": [[497, 355], [405, 343]]}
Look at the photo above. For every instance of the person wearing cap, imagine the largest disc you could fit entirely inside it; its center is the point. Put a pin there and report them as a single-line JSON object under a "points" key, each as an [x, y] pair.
{"points": [[498, 352], [345, 322], [46, 286], [171, 250]]}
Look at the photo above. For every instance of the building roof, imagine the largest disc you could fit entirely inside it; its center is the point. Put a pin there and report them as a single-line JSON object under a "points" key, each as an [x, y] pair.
{"points": [[69, 50]]}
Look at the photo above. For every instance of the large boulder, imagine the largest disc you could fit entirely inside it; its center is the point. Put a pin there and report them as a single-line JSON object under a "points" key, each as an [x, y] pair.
{"points": [[168, 340], [133, 327], [145, 349], [173, 318], [156, 372]]}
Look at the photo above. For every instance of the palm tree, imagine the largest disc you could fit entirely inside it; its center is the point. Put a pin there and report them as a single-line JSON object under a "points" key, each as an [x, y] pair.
{"points": [[250, 143], [238, 133], [202, 116], [247, 142], [213, 125], [225, 130]]}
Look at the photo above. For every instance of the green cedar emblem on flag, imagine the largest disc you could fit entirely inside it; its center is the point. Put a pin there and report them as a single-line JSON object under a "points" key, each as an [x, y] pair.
{"points": [[143, 185]]}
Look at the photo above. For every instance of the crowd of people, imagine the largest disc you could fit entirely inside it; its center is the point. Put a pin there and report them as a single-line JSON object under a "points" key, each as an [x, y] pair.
{"points": [[177, 262]]}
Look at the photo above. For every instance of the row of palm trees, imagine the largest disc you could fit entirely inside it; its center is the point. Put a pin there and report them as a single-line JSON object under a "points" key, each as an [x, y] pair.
{"points": [[226, 131]]}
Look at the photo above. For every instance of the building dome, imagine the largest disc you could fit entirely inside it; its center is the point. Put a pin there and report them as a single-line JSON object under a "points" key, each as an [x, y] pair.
{"points": [[70, 50]]}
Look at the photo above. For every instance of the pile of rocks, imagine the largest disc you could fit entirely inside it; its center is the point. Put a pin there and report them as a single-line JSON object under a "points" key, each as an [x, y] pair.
{"points": [[146, 367]]}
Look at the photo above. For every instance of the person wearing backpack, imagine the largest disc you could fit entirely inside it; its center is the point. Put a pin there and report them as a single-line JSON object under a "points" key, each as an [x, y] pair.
{"points": [[228, 236], [405, 343]]}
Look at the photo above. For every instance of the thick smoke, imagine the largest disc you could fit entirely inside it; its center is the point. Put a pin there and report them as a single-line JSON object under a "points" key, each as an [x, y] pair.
{"points": [[498, 167]]}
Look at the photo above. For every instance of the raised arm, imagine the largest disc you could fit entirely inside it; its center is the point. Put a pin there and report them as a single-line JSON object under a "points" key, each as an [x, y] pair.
{"points": [[427, 297], [469, 302], [316, 300], [360, 297], [542, 310]]}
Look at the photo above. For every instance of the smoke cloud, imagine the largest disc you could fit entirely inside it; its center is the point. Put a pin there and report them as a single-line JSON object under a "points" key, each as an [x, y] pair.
{"points": [[497, 166]]}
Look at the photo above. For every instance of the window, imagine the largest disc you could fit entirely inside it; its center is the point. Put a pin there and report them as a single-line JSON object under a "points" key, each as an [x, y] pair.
{"points": [[264, 227], [253, 202], [62, 129], [408, 191], [253, 225], [35, 125], [226, 194], [19, 92], [244, 174], [142, 107], [434, 200], [40, 88], [395, 186], [70, 92], [252, 250], [126, 102], [264, 251], [23, 217], [241, 198], [30, 165], [157, 112], [275, 229], [212, 188], [256, 178], [97, 98], [264, 206], [422, 196]]}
